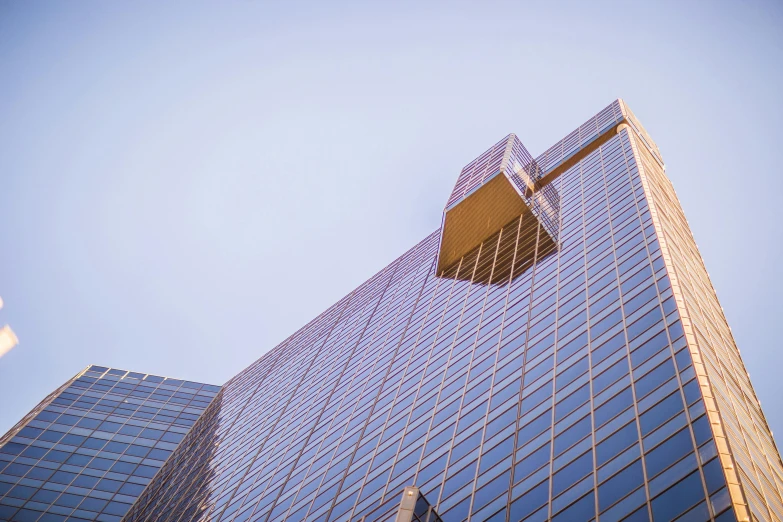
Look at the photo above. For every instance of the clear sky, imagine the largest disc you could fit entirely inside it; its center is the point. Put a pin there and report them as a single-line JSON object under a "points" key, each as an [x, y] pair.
{"points": [[183, 184]]}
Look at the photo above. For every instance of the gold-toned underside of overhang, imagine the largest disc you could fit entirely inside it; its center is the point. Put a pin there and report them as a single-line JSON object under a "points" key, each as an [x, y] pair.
{"points": [[477, 217], [497, 202]]}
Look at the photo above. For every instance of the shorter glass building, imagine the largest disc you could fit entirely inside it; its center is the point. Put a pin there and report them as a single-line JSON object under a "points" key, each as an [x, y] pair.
{"points": [[88, 449]]}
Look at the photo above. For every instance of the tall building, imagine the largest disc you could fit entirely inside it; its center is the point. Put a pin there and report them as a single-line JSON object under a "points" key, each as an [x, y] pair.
{"points": [[555, 351], [87, 450]]}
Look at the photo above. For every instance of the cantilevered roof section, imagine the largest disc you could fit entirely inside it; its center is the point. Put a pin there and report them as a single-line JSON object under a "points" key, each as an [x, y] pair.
{"points": [[491, 191], [589, 136], [506, 182]]}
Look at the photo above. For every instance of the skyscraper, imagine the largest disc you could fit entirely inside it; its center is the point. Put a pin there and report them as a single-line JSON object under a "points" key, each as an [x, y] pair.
{"points": [[89, 448], [555, 351]]}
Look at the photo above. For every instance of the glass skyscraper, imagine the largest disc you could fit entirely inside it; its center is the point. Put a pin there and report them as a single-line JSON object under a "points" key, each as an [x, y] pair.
{"points": [[87, 450], [555, 351]]}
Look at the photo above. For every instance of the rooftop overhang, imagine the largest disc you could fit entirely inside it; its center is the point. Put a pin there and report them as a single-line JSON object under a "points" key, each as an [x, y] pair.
{"points": [[476, 217], [506, 182]]}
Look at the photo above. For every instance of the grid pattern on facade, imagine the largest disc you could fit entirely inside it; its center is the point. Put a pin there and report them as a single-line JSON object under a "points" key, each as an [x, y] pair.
{"points": [[88, 450], [751, 450], [492, 191], [650, 148], [487, 165], [581, 137], [553, 386], [413, 507]]}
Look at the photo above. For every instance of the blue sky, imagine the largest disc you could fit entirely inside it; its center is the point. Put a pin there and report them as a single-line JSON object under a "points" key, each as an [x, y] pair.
{"points": [[183, 185]]}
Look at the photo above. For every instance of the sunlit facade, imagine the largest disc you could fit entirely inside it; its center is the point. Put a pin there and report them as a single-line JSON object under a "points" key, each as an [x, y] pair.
{"points": [[554, 352], [87, 451]]}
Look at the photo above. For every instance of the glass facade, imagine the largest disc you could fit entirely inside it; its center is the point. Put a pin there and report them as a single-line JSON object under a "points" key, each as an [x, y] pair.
{"points": [[573, 364], [87, 451], [745, 444]]}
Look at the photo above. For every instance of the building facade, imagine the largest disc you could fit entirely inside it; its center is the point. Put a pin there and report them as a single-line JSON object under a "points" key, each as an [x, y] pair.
{"points": [[555, 351], [87, 450]]}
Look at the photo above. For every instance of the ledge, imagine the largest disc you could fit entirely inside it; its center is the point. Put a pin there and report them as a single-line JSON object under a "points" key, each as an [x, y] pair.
{"points": [[497, 188]]}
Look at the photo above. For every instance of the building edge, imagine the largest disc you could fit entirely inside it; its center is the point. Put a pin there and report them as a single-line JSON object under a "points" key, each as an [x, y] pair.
{"points": [[737, 489]]}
